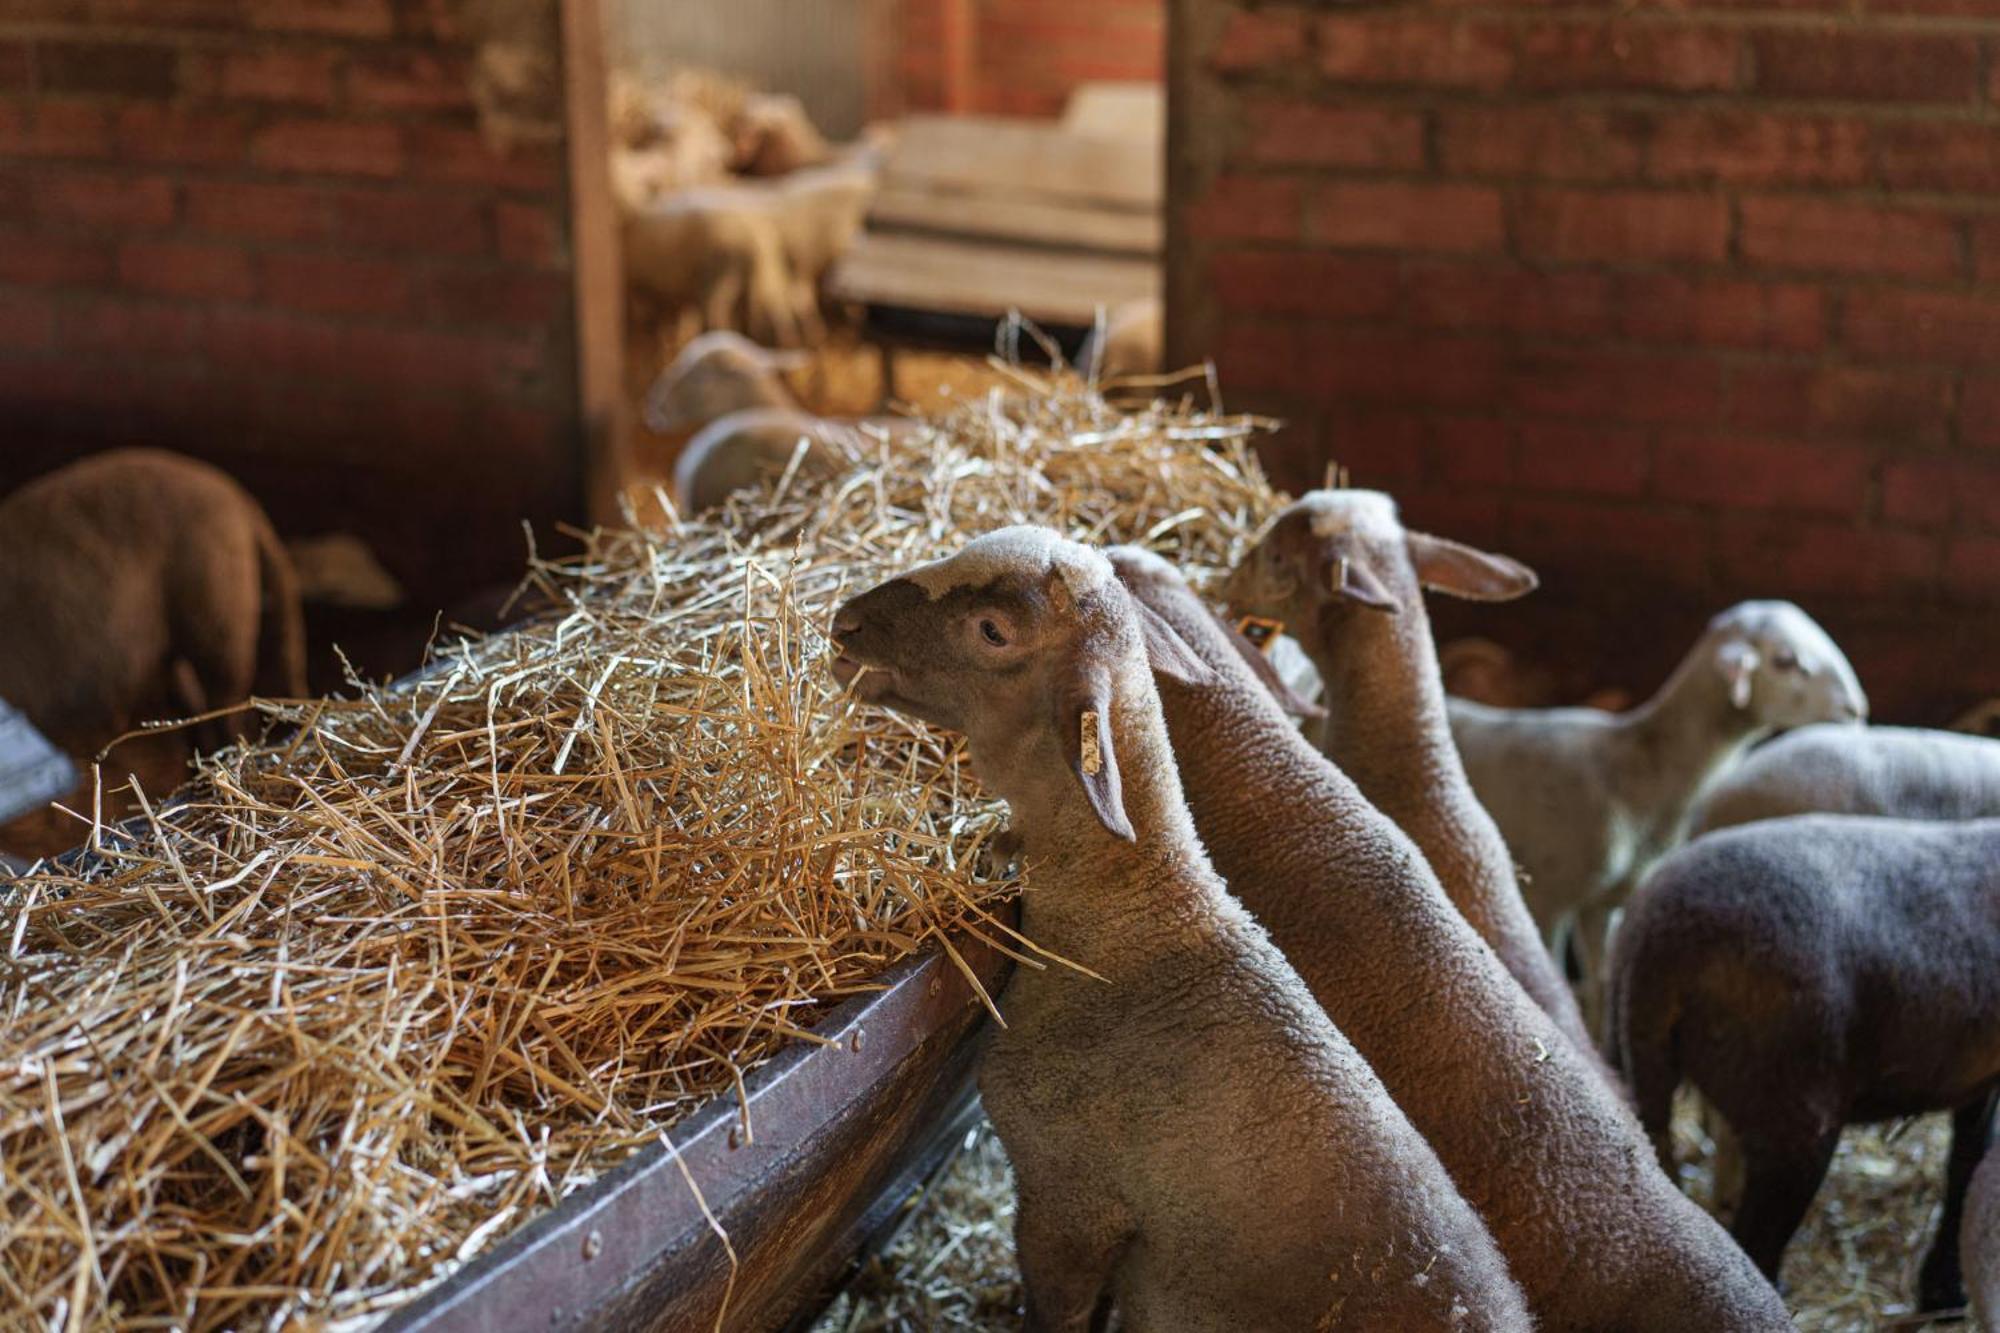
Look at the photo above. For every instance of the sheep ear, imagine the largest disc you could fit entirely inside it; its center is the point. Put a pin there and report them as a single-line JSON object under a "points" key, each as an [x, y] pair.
{"points": [[1353, 580], [1294, 703], [1457, 569], [1167, 651], [1738, 663], [1083, 720]]}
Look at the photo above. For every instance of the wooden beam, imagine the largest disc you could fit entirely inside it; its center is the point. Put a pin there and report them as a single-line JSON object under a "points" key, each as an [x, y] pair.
{"points": [[599, 274]]}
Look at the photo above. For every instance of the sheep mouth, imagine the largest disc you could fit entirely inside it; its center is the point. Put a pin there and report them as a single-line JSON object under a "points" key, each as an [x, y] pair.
{"points": [[870, 684]]}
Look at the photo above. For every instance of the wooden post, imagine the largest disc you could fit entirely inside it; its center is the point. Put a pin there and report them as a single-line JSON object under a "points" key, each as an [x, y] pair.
{"points": [[594, 245], [958, 35]]}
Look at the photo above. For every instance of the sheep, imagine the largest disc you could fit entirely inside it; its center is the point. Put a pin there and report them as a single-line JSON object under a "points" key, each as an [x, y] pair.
{"points": [[746, 448], [775, 137], [1813, 972], [138, 580], [1588, 801], [1529, 1129], [1190, 1136], [1979, 1241], [717, 373], [1979, 720], [1340, 569], [818, 213], [1825, 768], [713, 252]]}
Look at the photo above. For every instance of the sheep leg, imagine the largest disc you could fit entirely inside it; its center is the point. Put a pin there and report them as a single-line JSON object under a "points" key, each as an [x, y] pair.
{"points": [[1066, 1242], [1783, 1175], [1940, 1282]]}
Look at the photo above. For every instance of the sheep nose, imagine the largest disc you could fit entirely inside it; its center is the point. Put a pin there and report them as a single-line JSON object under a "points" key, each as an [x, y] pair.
{"points": [[845, 622]]}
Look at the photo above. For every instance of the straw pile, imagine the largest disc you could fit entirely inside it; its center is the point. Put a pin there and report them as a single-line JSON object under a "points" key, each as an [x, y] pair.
{"points": [[385, 987]]}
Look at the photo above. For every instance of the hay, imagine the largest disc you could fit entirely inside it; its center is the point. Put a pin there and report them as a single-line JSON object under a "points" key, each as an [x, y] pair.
{"points": [[381, 990]]}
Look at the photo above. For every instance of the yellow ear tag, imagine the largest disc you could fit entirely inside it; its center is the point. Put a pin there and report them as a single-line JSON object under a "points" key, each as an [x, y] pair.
{"points": [[1093, 757], [1262, 633]]}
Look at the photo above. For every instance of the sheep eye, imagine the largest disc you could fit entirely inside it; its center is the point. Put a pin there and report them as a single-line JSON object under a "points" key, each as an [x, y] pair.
{"points": [[1785, 660], [993, 634]]}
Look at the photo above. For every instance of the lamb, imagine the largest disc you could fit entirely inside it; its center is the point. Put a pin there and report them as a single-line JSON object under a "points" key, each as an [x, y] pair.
{"points": [[1902, 772], [716, 254], [1190, 1135], [1340, 569], [818, 213], [775, 137], [1979, 1241], [1813, 972], [1588, 801], [717, 373], [746, 448], [1530, 1131], [137, 581]]}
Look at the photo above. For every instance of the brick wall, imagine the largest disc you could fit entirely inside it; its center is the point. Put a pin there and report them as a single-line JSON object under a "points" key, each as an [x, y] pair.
{"points": [[1020, 57], [269, 233], [1682, 304]]}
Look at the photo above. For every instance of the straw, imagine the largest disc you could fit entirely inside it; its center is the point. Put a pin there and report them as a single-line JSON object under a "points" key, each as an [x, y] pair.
{"points": [[366, 998]]}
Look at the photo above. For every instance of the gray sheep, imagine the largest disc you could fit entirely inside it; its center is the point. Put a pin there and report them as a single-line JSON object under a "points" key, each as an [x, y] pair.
{"points": [[1533, 1136], [1979, 1241], [1815, 972], [1347, 579], [1190, 1135], [1902, 772]]}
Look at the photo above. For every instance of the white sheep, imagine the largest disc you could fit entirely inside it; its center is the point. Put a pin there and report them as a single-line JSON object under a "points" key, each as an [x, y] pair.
{"points": [[819, 211], [1901, 772], [717, 373], [1191, 1137], [1589, 801], [1527, 1126], [1341, 571], [713, 256]]}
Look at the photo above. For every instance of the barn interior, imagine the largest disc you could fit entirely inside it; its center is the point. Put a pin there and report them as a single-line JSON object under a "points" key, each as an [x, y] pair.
{"points": [[1682, 306]]}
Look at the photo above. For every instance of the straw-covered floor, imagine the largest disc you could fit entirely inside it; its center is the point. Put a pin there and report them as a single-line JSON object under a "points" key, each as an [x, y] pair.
{"points": [[378, 991]]}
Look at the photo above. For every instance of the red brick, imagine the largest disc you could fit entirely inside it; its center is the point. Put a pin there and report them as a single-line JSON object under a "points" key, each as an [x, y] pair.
{"points": [[489, 299], [1576, 226], [418, 81], [1592, 459], [1393, 215], [1793, 556], [1380, 447], [151, 132], [1917, 491], [1790, 232], [130, 325], [263, 212], [335, 284], [1911, 325], [430, 358], [104, 199], [1516, 300], [1972, 569], [1387, 366], [424, 221], [1595, 54], [1303, 282], [533, 236], [32, 259], [1738, 472], [276, 74], [1423, 52], [1303, 134], [1931, 156], [1903, 406], [1986, 249], [27, 321], [1236, 208], [1259, 354], [1614, 543], [16, 65], [1260, 39], [1565, 143], [107, 69], [191, 14], [1469, 451], [282, 344], [446, 153], [1979, 413], [330, 147], [341, 18], [1721, 312], [54, 129], [1867, 66], [1747, 147], [185, 268], [1613, 386]]}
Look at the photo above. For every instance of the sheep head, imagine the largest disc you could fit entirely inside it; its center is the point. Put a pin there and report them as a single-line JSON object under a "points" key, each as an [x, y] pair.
{"points": [[1338, 549], [1025, 642], [1781, 668], [717, 373]]}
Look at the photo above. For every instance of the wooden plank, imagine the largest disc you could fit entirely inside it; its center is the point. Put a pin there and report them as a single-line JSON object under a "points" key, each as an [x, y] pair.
{"points": [[987, 279], [992, 155], [834, 1127], [32, 771], [1051, 222], [599, 290], [1136, 112]]}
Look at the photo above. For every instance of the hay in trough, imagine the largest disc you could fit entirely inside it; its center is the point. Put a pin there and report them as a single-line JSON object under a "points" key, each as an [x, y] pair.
{"points": [[374, 993]]}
